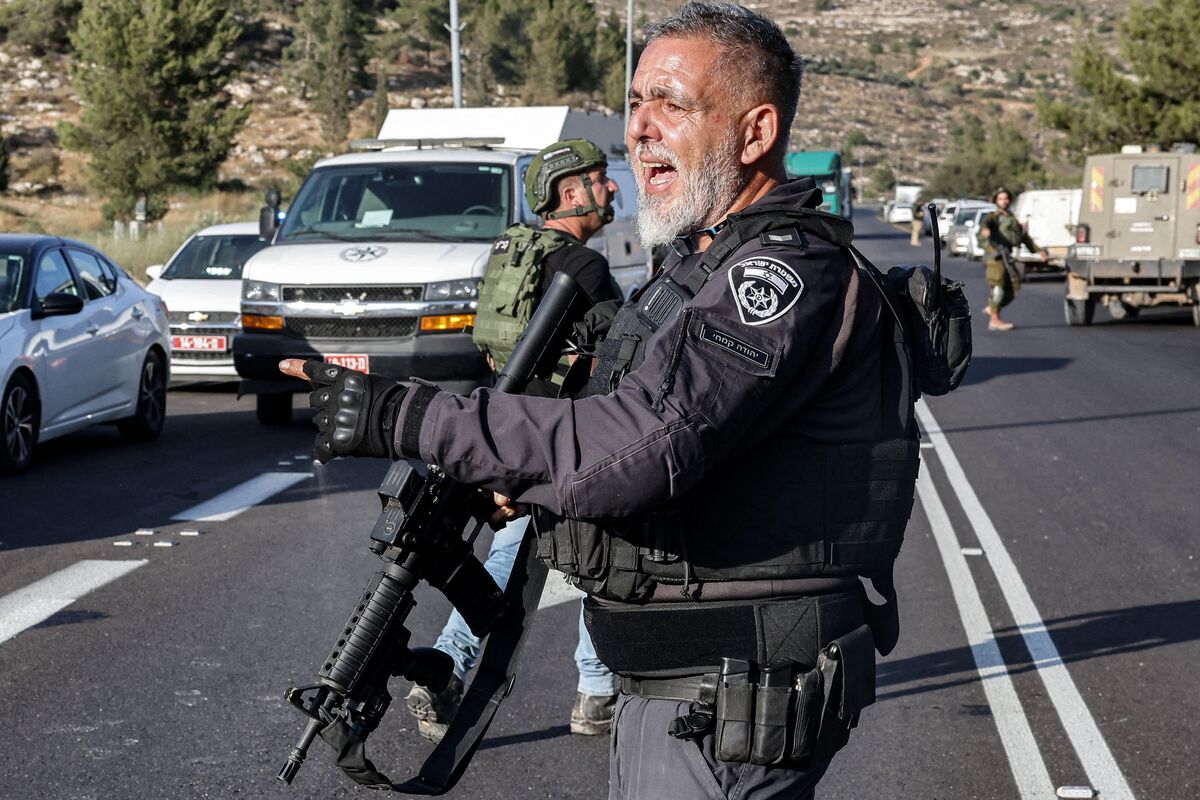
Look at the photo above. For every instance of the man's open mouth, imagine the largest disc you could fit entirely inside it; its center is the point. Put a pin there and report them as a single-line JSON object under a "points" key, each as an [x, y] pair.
{"points": [[658, 173]]}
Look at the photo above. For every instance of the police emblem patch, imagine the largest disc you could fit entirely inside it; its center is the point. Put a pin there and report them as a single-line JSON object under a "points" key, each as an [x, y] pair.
{"points": [[764, 288], [501, 245]]}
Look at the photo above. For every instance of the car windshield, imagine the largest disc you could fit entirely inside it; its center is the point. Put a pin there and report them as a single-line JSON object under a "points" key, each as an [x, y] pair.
{"points": [[220, 257], [451, 202], [12, 269], [965, 214]]}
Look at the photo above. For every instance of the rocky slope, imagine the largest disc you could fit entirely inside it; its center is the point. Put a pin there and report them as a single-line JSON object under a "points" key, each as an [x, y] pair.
{"points": [[901, 72]]}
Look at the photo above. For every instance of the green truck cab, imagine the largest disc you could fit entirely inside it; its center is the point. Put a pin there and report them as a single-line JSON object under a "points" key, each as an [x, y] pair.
{"points": [[1137, 243], [825, 166]]}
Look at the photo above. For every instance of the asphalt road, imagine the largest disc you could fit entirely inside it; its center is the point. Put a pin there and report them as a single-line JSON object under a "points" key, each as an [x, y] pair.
{"points": [[1049, 585]]}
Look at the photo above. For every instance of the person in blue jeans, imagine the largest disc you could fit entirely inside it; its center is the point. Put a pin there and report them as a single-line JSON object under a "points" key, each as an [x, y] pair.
{"points": [[596, 692], [567, 185]]}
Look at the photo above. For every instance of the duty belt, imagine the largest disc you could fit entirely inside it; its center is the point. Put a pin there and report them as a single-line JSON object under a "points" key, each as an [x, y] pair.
{"points": [[697, 689]]}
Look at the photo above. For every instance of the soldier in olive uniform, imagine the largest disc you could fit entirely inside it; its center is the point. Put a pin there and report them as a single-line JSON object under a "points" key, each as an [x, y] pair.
{"points": [[1000, 233], [567, 185]]}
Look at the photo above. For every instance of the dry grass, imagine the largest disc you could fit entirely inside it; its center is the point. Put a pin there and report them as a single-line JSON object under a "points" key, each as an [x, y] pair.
{"points": [[79, 218]]}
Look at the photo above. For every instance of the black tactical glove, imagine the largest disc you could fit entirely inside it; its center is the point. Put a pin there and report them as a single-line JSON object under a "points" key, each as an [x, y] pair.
{"points": [[356, 412]]}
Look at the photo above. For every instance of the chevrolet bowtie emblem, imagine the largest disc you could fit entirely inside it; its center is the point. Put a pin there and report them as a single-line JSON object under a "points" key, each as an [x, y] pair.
{"points": [[349, 307], [197, 316]]}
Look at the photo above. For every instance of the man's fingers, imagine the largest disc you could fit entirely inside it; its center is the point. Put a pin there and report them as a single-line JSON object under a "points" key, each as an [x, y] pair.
{"points": [[310, 370], [293, 367]]}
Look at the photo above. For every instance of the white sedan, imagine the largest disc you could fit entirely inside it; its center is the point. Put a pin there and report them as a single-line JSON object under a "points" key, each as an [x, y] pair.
{"points": [[80, 343], [202, 285], [901, 212]]}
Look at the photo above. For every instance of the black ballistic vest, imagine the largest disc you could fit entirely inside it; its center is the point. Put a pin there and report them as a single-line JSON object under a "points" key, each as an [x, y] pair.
{"points": [[796, 509]]}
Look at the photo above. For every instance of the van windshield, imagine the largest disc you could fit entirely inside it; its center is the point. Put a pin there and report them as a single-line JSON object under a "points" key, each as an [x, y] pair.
{"points": [[456, 202], [219, 257]]}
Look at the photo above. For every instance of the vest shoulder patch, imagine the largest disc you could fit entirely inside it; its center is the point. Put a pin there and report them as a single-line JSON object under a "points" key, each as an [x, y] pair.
{"points": [[501, 245], [783, 236], [764, 289], [736, 345]]}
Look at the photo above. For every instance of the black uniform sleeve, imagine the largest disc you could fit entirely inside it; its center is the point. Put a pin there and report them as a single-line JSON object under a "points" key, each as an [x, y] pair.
{"points": [[587, 267], [733, 361]]}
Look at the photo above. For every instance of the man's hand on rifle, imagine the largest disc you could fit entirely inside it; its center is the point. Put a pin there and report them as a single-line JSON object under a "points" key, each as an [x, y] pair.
{"points": [[1045, 256], [505, 511], [356, 412]]}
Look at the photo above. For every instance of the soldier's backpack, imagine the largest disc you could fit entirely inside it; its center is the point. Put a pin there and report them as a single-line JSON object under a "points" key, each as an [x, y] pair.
{"points": [[508, 294]]}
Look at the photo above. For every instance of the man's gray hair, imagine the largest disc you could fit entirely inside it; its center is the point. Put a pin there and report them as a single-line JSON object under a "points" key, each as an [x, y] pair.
{"points": [[752, 48]]}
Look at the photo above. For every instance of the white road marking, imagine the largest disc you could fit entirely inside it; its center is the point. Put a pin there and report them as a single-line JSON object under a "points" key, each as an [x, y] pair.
{"points": [[228, 505], [1024, 758], [40, 600], [1098, 762], [557, 591]]}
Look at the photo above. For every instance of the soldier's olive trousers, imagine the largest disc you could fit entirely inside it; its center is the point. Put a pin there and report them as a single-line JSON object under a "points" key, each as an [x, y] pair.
{"points": [[646, 763], [1004, 287]]}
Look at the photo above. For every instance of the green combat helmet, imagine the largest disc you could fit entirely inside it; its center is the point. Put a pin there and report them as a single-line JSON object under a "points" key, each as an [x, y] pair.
{"points": [[568, 157]]}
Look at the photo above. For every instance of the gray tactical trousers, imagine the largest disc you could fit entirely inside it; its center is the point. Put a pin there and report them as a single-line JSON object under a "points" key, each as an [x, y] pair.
{"points": [[646, 763]]}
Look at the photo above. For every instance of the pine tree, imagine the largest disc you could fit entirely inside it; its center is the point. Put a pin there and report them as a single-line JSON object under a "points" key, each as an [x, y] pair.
{"points": [[41, 25], [497, 45], [610, 60], [546, 77], [151, 74], [984, 158], [332, 36], [1148, 96]]}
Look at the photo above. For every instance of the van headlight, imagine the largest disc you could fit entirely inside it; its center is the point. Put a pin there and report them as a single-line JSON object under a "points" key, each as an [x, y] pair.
{"points": [[467, 289], [260, 291]]}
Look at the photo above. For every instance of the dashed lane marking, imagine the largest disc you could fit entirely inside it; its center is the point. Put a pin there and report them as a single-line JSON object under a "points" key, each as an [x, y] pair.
{"points": [[228, 505], [1024, 758], [1098, 762], [40, 600]]}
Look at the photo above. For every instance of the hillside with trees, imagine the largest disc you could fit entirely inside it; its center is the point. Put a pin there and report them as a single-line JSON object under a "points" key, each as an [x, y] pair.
{"points": [[105, 101]]}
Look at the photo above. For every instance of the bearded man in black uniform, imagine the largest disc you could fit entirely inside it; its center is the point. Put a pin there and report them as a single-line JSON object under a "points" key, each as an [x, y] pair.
{"points": [[745, 455]]}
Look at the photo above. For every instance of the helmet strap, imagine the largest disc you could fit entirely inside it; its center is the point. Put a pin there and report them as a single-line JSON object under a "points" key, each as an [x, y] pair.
{"points": [[604, 212]]}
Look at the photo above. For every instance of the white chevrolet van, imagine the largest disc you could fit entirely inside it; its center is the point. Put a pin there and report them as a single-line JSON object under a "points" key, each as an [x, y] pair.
{"points": [[376, 263]]}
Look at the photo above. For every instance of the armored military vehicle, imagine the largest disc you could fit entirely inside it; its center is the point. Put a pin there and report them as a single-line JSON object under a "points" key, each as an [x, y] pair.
{"points": [[1137, 243]]}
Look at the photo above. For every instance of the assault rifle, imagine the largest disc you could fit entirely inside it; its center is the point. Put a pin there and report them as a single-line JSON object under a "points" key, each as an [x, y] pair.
{"points": [[419, 537], [1009, 265]]}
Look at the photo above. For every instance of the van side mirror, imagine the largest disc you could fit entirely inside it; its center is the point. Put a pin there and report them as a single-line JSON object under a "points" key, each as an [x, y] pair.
{"points": [[56, 304], [268, 216], [154, 272]]}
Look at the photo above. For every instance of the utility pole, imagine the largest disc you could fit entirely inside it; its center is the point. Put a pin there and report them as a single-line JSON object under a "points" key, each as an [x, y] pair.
{"points": [[455, 56], [628, 55]]}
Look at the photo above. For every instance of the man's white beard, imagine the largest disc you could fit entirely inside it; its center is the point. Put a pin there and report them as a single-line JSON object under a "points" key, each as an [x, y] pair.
{"points": [[707, 193]]}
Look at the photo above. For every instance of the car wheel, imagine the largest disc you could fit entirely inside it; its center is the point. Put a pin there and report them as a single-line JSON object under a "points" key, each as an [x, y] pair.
{"points": [[147, 421], [1079, 312], [274, 408], [20, 415], [1196, 314]]}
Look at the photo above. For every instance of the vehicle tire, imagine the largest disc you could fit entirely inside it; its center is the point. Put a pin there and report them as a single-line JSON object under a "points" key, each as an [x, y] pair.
{"points": [[147, 421], [1079, 312], [20, 419], [1196, 314], [274, 408]]}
